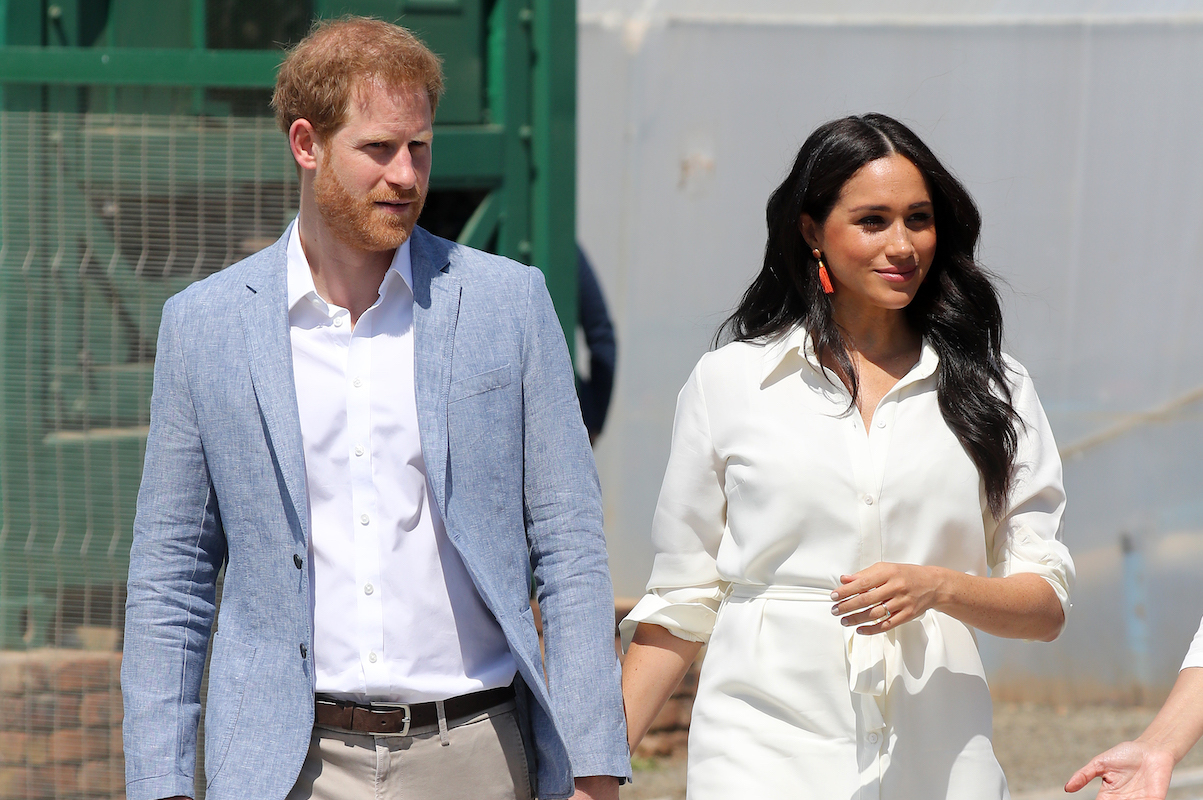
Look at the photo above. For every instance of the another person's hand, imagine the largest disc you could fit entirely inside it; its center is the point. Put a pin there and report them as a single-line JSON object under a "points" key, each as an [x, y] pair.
{"points": [[1130, 771], [886, 595], [596, 787]]}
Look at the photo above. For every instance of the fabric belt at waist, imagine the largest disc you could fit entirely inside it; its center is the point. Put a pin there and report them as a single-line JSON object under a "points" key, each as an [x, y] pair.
{"points": [[401, 717], [864, 655]]}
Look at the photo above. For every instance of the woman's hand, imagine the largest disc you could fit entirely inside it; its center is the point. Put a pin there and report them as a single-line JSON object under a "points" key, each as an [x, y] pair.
{"points": [[1131, 771], [886, 595]]}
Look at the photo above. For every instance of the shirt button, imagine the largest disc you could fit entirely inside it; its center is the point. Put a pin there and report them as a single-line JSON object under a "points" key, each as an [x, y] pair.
{"points": [[881, 424], [372, 657], [359, 450], [296, 559], [873, 738], [868, 499], [338, 322], [357, 382], [364, 519], [367, 588]]}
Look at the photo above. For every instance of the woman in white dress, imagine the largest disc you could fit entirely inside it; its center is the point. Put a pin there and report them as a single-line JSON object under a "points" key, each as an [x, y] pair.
{"points": [[857, 481]]}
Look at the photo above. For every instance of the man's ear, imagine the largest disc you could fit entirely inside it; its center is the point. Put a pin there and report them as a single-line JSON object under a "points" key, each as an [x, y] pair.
{"points": [[810, 232], [304, 143]]}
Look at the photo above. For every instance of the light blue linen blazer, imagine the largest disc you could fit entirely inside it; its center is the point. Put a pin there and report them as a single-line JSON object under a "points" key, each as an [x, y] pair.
{"points": [[224, 483]]}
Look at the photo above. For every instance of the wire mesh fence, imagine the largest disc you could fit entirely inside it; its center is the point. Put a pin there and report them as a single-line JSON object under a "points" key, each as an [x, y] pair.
{"points": [[102, 217]]}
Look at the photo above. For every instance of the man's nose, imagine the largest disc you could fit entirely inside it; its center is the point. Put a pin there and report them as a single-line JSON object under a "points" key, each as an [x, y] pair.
{"points": [[401, 171]]}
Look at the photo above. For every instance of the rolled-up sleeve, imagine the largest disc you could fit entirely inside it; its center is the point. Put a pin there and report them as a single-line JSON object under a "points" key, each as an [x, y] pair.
{"points": [[1194, 656], [1027, 539], [685, 588]]}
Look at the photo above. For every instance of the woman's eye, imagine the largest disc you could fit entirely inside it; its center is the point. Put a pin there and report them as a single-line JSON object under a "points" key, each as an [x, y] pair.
{"points": [[872, 222], [921, 219]]}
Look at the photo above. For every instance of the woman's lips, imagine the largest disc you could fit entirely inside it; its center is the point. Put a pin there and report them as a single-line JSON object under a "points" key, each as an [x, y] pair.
{"points": [[897, 274]]}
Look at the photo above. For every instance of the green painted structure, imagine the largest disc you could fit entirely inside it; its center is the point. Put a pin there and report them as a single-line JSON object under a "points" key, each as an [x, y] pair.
{"points": [[137, 154]]}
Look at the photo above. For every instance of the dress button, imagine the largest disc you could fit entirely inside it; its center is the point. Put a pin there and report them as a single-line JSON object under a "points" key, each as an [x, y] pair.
{"points": [[296, 559], [304, 651], [372, 657], [359, 450], [873, 738], [364, 519], [881, 424], [357, 382], [868, 499], [367, 588]]}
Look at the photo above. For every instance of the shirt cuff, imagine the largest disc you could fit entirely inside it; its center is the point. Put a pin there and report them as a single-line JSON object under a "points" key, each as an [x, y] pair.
{"points": [[1027, 552], [687, 613]]}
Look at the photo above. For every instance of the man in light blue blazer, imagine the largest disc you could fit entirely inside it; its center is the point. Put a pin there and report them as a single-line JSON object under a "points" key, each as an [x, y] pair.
{"points": [[375, 432]]}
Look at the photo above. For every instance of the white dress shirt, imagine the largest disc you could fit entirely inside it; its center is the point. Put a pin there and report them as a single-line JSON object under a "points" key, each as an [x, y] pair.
{"points": [[395, 615], [773, 490]]}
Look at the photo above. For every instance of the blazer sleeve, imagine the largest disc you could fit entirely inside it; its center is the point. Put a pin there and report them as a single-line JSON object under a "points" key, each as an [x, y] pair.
{"points": [[178, 549], [562, 507]]}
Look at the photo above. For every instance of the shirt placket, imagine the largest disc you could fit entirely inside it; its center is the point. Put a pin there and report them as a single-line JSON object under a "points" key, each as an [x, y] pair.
{"points": [[364, 507], [866, 449]]}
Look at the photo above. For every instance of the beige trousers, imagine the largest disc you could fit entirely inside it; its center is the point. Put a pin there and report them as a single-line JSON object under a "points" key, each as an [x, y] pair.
{"points": [[483, 759]]}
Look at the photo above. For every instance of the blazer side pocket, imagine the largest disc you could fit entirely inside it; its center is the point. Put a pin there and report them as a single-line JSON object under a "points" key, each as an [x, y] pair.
{"points": [[479, 384], [228, 673]]}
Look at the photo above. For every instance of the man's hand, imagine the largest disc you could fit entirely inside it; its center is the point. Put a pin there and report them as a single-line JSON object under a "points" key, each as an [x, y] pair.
{"points": [[1130, 771], [596, 787]]}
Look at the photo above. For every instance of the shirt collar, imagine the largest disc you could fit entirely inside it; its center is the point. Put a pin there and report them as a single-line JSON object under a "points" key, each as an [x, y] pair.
{"points": [[797, 344], [300, 278]]}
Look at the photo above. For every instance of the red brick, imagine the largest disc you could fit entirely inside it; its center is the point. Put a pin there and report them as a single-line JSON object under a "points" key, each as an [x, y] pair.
{"points": [[13, 712], [101, 778], [13, 745], [76, 745], [47, 712], [37, 750], [100, 709], [12, 782], [83, 673]]}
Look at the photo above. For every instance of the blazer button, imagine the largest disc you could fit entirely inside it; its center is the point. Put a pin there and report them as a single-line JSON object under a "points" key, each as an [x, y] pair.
{"points": [[296, 559], [304, 651]]}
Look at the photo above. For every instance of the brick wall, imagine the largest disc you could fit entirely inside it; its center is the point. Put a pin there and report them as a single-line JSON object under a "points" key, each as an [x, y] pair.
{"points": [[60, 725]]}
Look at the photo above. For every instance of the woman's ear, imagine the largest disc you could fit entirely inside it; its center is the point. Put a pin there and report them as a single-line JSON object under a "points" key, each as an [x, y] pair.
{"points": [[810, 232]]}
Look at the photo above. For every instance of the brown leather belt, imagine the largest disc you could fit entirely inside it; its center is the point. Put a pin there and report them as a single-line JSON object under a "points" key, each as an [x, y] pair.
{"points": [[401, 717]]}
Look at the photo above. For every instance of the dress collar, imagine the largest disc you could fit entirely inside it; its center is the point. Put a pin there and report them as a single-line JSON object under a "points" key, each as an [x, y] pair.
{"points": [[794, 348]]}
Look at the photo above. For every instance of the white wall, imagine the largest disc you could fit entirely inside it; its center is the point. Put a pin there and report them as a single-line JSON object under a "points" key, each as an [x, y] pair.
{"points": [[1076, 126]]}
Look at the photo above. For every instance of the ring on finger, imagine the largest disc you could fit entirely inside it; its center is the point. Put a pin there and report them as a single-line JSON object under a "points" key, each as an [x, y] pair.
{"points": [[888, 613]]}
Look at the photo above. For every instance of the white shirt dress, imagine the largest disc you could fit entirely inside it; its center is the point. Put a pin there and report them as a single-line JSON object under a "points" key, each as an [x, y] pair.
{"points": [[774, 489]]}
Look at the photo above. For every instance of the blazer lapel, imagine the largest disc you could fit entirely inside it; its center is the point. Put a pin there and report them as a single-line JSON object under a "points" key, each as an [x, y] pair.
{"points": [[269, 349], [436, 310]]}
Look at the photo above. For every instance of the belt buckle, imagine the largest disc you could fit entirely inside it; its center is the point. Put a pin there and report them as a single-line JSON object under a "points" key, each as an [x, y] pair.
{"points": [[387, 707]]}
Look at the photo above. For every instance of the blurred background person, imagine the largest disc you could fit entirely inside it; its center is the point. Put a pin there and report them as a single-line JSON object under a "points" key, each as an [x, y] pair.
{"points": [[1141, 770], [594, 390]]}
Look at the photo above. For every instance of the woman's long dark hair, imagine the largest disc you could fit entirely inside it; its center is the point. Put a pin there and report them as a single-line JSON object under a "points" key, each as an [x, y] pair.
{"points": [[956, 308]]}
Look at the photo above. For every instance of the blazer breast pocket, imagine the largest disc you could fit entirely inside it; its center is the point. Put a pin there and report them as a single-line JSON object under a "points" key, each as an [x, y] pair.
{"points": [[480, 383]]}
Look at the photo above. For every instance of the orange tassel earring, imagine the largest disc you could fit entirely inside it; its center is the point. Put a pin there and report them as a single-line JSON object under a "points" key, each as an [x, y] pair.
{"points": [[824, 278]]}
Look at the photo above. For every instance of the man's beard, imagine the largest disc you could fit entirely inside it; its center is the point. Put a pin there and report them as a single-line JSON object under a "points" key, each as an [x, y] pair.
{"points": [[357, 221]]}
